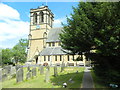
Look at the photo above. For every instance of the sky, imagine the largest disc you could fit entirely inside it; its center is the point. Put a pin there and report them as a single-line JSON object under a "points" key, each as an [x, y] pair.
{"points": [[15, 19]]}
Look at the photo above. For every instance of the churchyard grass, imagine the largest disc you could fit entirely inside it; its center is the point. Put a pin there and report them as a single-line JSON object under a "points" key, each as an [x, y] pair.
{"points": [[55, 82], [97, 81]]}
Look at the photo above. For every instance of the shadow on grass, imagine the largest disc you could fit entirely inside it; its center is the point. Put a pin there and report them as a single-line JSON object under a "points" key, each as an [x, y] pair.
{"points": [[65, 78], [98, 83]]}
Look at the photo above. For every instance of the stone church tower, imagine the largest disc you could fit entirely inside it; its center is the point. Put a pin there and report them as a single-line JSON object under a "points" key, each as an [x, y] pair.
{"points": [[44, 43], [41, 21]]}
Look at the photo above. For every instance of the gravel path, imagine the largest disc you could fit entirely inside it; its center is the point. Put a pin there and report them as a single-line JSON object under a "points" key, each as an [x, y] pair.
{"points": [[87, 79]]}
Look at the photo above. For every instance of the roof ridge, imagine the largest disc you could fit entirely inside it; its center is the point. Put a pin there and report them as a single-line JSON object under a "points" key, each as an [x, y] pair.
{"points": [[56, 27]]}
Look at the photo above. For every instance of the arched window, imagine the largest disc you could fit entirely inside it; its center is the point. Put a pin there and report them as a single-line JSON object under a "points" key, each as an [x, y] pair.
{"points": [[36, 60], [35, 18], [41, 17], [68, 58], [48, 57], [55, 57], [44, 58], [60, 57], [45, 35], [44, 41], [49, 19]]}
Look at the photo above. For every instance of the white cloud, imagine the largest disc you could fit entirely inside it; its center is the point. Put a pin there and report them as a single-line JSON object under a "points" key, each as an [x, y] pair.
{"points": [[7, 12], [11, 26], [12, 29], [57, 22]]}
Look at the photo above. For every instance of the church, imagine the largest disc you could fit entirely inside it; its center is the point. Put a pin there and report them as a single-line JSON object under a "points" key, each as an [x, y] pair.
{"points": [[44, 44]]}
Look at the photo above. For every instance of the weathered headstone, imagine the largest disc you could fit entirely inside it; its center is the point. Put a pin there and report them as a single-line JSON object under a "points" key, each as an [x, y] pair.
{"points": [[66, 65], [47, 75], [4, 74], [41, 68], [28, 68], [0, 74], [62, 66], [19, 75], [7, 69], [28, 75], [4, 77], [0, 78], [13, 72], [33, 72], [55, 71], [17, 67]]}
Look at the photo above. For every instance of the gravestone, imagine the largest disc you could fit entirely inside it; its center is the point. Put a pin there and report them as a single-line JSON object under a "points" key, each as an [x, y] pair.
{"points": [[0, 74], [28, 75], [47, 75], [66, 65], [41, 68], [55, 71], [19, 75], [28, 68], [0, 78], [33, 72], [4, 74], [7, 72], [62, 66], [13, 72], [4, 77], [7, 69], [17, 67]]}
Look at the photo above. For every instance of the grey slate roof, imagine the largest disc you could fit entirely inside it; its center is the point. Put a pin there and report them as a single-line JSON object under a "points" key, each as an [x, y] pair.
{"points": [[52, 51], [53, 35]]}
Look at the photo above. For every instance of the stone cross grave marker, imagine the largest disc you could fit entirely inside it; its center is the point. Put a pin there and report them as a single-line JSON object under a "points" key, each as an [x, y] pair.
{"points": [[19, 75], [33, 72], [47, 75], [55, 71]]}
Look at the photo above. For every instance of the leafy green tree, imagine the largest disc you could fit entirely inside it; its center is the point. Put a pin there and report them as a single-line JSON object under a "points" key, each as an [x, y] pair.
{"points": [[107, 28], [77, 35], [19, 51], [6, 56], [93, 24], [96, 24], [0, 56]]}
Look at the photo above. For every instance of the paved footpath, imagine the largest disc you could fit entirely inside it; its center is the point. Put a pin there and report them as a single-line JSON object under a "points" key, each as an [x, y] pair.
{"points": [[87, 79]]}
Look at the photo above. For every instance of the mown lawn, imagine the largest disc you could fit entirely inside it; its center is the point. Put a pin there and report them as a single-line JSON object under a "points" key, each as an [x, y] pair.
{"points": [[55, 82], [97, 81]]}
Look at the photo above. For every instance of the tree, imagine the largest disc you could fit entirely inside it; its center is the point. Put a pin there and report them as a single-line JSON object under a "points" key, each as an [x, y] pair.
{"points": [[96, 24], [77, 35], [107, 28], [19, 51], [6, 56]]}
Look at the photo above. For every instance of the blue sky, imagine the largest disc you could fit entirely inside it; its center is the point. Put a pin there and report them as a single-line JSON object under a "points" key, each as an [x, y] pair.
{"points": [[14, 19]]}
